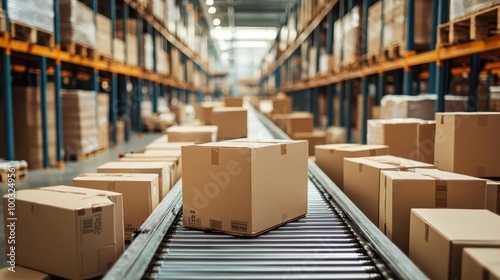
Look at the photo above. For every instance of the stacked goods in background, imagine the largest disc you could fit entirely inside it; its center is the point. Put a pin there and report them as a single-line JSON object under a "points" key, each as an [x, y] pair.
{"points": [[104, 36], [460, 8], [161, 56], [103, 120], [147, 51], [421, 106], [37, 14], [394, 12], [77, 25], [338, 33], [86, 225], [351, 44], [467, 143], [400, 191], [477, 262], [407, 138], [374, 30], [130, 39], [313, 138], [80, 134], [121, 125], [494, 99], [26, 103], [438, 238], [158, 7], [176, 68], [242, 167]]}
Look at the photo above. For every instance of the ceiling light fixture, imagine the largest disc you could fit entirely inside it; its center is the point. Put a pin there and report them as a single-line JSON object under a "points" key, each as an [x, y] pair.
{"points": [[209, 2], [216, 22], [212, 10]]}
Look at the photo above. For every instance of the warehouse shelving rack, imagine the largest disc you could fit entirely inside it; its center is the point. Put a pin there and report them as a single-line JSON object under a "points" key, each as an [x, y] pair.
{"points": [[121, 77], [433, 64]]}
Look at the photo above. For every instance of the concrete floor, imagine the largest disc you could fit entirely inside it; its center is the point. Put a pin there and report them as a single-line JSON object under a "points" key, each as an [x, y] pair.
{"points": [[53, 177]]}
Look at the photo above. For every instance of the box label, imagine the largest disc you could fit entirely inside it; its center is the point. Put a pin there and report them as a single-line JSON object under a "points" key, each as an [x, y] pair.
{"points": [[239, 226]]}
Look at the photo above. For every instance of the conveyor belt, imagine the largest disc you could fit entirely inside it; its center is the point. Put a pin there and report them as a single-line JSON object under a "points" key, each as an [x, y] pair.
{"points": [[334, 241]]}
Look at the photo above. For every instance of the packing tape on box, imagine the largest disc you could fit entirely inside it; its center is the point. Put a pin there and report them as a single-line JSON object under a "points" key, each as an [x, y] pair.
{"points": [[441, 192], [283, 149], [426, 236], [215, 156]]}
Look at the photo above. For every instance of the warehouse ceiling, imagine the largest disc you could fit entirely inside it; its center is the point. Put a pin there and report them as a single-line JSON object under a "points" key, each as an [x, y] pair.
{"points": [[249, 13]]}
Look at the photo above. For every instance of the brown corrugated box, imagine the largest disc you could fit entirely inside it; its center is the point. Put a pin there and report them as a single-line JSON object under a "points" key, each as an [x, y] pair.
{"points": [[438, 237], [79, 232], [197, 134], [467, 143], [162, 169], [330, 158], [204, 111], [238, 186], [362, 180], [481, 263], [140, 194], [175, 168], [282, 105], [231, 101], [167, 146], [231, 122], [407, 138], [400, 191], [313, 138], [22, 273], [493, 196]]}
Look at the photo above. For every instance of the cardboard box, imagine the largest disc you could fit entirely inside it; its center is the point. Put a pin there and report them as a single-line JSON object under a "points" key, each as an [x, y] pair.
{"points": [[407, 138], [282, 105], [237, 186], [438, 237], [197, 134], [362, 180], [162, 139], [467, 143], [294, 122], [231, 122], [400, 191], [204, 111], [79, 232], [478, 263], [140, 194], [313, 138], [172, 146], [493, 196], [330, 158], [22, 273], [231, 101], [162, 169], [175, 168]]}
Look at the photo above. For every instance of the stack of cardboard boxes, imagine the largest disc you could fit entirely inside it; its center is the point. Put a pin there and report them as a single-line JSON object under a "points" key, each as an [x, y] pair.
{"points": [[80, 123], [104, 35], [103, 120], [434, 207]]}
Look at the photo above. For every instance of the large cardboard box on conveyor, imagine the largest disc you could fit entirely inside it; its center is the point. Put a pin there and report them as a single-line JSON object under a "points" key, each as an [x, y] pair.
{"points": [[330, 158], [313, 138], [162, 169], [244, 187], [79, 232], [438, 237], [231, 122], [400, 191], [481, 263], [173, 157], [362, 180], [232, 101], [22, 273], [197, 134], [140, 194], [467, 143]]}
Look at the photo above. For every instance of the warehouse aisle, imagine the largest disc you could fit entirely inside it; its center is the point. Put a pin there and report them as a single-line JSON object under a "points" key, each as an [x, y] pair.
{"points": [[53, 177]]}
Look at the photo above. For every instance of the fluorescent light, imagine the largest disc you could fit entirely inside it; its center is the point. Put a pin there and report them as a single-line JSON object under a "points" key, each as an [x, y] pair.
{"points": [[216, 21], [212, 10], [251, 44], [255, 33], [225, 56], [222, 34], [209, 2]]}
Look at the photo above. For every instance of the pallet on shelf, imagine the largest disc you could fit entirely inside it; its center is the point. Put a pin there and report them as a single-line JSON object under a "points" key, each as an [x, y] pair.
{"points": [[78, 49], [476, 26], [84, 156], [29, 34], [394, 51], [21, 170]]}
